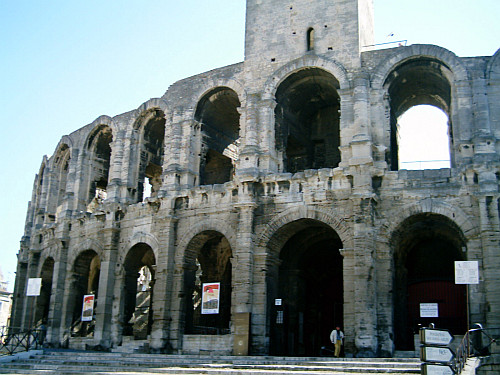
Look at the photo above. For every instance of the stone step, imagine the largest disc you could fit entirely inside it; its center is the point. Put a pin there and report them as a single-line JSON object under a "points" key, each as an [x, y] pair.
{"points": [[72, 362]]}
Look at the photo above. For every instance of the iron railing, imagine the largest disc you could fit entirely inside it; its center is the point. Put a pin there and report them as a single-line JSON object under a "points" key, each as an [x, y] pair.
{"points": [[15, 341], [476, 343]]}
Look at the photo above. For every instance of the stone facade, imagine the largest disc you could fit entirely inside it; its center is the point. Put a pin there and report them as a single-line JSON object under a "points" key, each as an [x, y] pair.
{"points": [[277, 177]]}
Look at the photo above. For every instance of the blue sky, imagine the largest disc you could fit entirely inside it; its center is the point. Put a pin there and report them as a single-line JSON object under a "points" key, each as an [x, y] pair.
{"points": [[65, 63]]}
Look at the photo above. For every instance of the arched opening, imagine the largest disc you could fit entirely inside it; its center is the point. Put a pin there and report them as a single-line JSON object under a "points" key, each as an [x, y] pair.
{"points": [[43, 300], [425, 249], [310, 39], [99, 147], [208, 261], [410, 86], [150, 153], [307, 118], [140, 268], [304, 288], [62, 166], [423, 139], [217, 112], [85, 281]]}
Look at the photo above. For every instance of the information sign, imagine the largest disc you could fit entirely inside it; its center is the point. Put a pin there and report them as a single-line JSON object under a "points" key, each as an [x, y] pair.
{"points": [[466, 272], [436, 354], [436, 369], [429, 310], [435, 336], [88, 308], [33, 288]]}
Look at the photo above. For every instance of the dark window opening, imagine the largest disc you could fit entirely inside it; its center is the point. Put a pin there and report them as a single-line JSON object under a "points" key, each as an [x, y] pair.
{"points": [[140, 266], [99, 146], [307, 118], [85, 281], [210, 264], [220, 127], [310, 39]]}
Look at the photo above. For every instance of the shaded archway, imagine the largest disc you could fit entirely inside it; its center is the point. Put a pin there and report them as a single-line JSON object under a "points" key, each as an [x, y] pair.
{"points": [[140, 269], [43, 300], [304, 288], [425, 247], [415, 82], [85, 281], [207, 260], [151, 128], [217, 112], [307, 120], [99, 148]]}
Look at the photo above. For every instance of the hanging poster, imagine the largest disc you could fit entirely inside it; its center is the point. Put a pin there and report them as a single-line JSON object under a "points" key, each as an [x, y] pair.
{"points": [[210, 298], [88, 307], [33, 288], [466, 272]]}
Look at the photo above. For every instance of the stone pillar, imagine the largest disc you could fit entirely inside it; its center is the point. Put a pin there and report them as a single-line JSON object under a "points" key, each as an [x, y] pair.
{"points": [[29, 306], [104, 308], [19, 296], [55, 318], [490, 237], [162, 317], [249, 153], [348, 263], [268, 160], [259, 328], [365, 292], [243, 260], [172, 148], [117, 189]]}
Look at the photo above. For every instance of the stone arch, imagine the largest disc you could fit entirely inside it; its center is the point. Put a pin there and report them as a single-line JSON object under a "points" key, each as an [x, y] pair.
{"points": [[142, 237], [212, 83], [218, 134], [306, 62], [214, 225], [152, 103], [265, 239], [429, 205], [300, 252], [424, 247], [414, 76], [146, 154], [403, 54], [207, 258], [46, 271], [88, 244], [139, 277]]}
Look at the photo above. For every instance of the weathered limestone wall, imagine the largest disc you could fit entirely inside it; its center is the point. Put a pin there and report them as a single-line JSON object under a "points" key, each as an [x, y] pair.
{"points": [[263, 209]]}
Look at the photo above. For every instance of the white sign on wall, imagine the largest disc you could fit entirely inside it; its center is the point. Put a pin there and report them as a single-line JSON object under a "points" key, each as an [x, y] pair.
{"points": [[429, 310], [34, 286], [466, 272]]}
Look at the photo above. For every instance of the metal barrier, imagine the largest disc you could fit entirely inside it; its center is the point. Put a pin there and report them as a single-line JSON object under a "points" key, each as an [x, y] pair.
{"points": [[12, 341], [476, 343]]}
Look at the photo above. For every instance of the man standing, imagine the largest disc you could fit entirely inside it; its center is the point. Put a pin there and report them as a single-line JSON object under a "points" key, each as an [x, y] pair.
{"points": [[336, 338]]}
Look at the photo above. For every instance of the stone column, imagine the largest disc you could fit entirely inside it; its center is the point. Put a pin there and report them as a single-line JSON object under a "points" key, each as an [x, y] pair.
{"points": [[104, 308], [348, 263], [55, 318], [29, 306], [19, 296], [490, 237], [117, 189], [249, 153], [268, 159], [365, 292], [172, 149], [162, 317]]}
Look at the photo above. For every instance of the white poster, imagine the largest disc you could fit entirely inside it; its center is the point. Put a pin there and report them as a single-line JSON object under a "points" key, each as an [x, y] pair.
{"points": [[429, 310], [88, 307], [33, 288], [210, 298], [466, 272]]}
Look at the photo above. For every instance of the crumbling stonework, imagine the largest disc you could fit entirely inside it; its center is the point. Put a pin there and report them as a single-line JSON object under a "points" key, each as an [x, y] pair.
{"points": [[277, 177]]}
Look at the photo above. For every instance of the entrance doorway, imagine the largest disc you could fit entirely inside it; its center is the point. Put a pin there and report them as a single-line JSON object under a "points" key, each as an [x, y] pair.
{"points": [[307, 297], [426, 247]]}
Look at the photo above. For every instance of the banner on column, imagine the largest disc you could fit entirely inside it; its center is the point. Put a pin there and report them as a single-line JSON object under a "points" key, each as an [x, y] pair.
{"points": [[33, 288], [88, 307], [210, 298]]}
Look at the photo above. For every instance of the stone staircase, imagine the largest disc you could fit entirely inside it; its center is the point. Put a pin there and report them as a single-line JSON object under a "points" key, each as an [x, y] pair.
{"points": [[77, 362]]}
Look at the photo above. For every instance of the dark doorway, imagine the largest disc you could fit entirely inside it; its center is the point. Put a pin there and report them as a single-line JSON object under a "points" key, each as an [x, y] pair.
{"points": [[309, 288], [140, 265], [427, 245], [43, 301]]}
